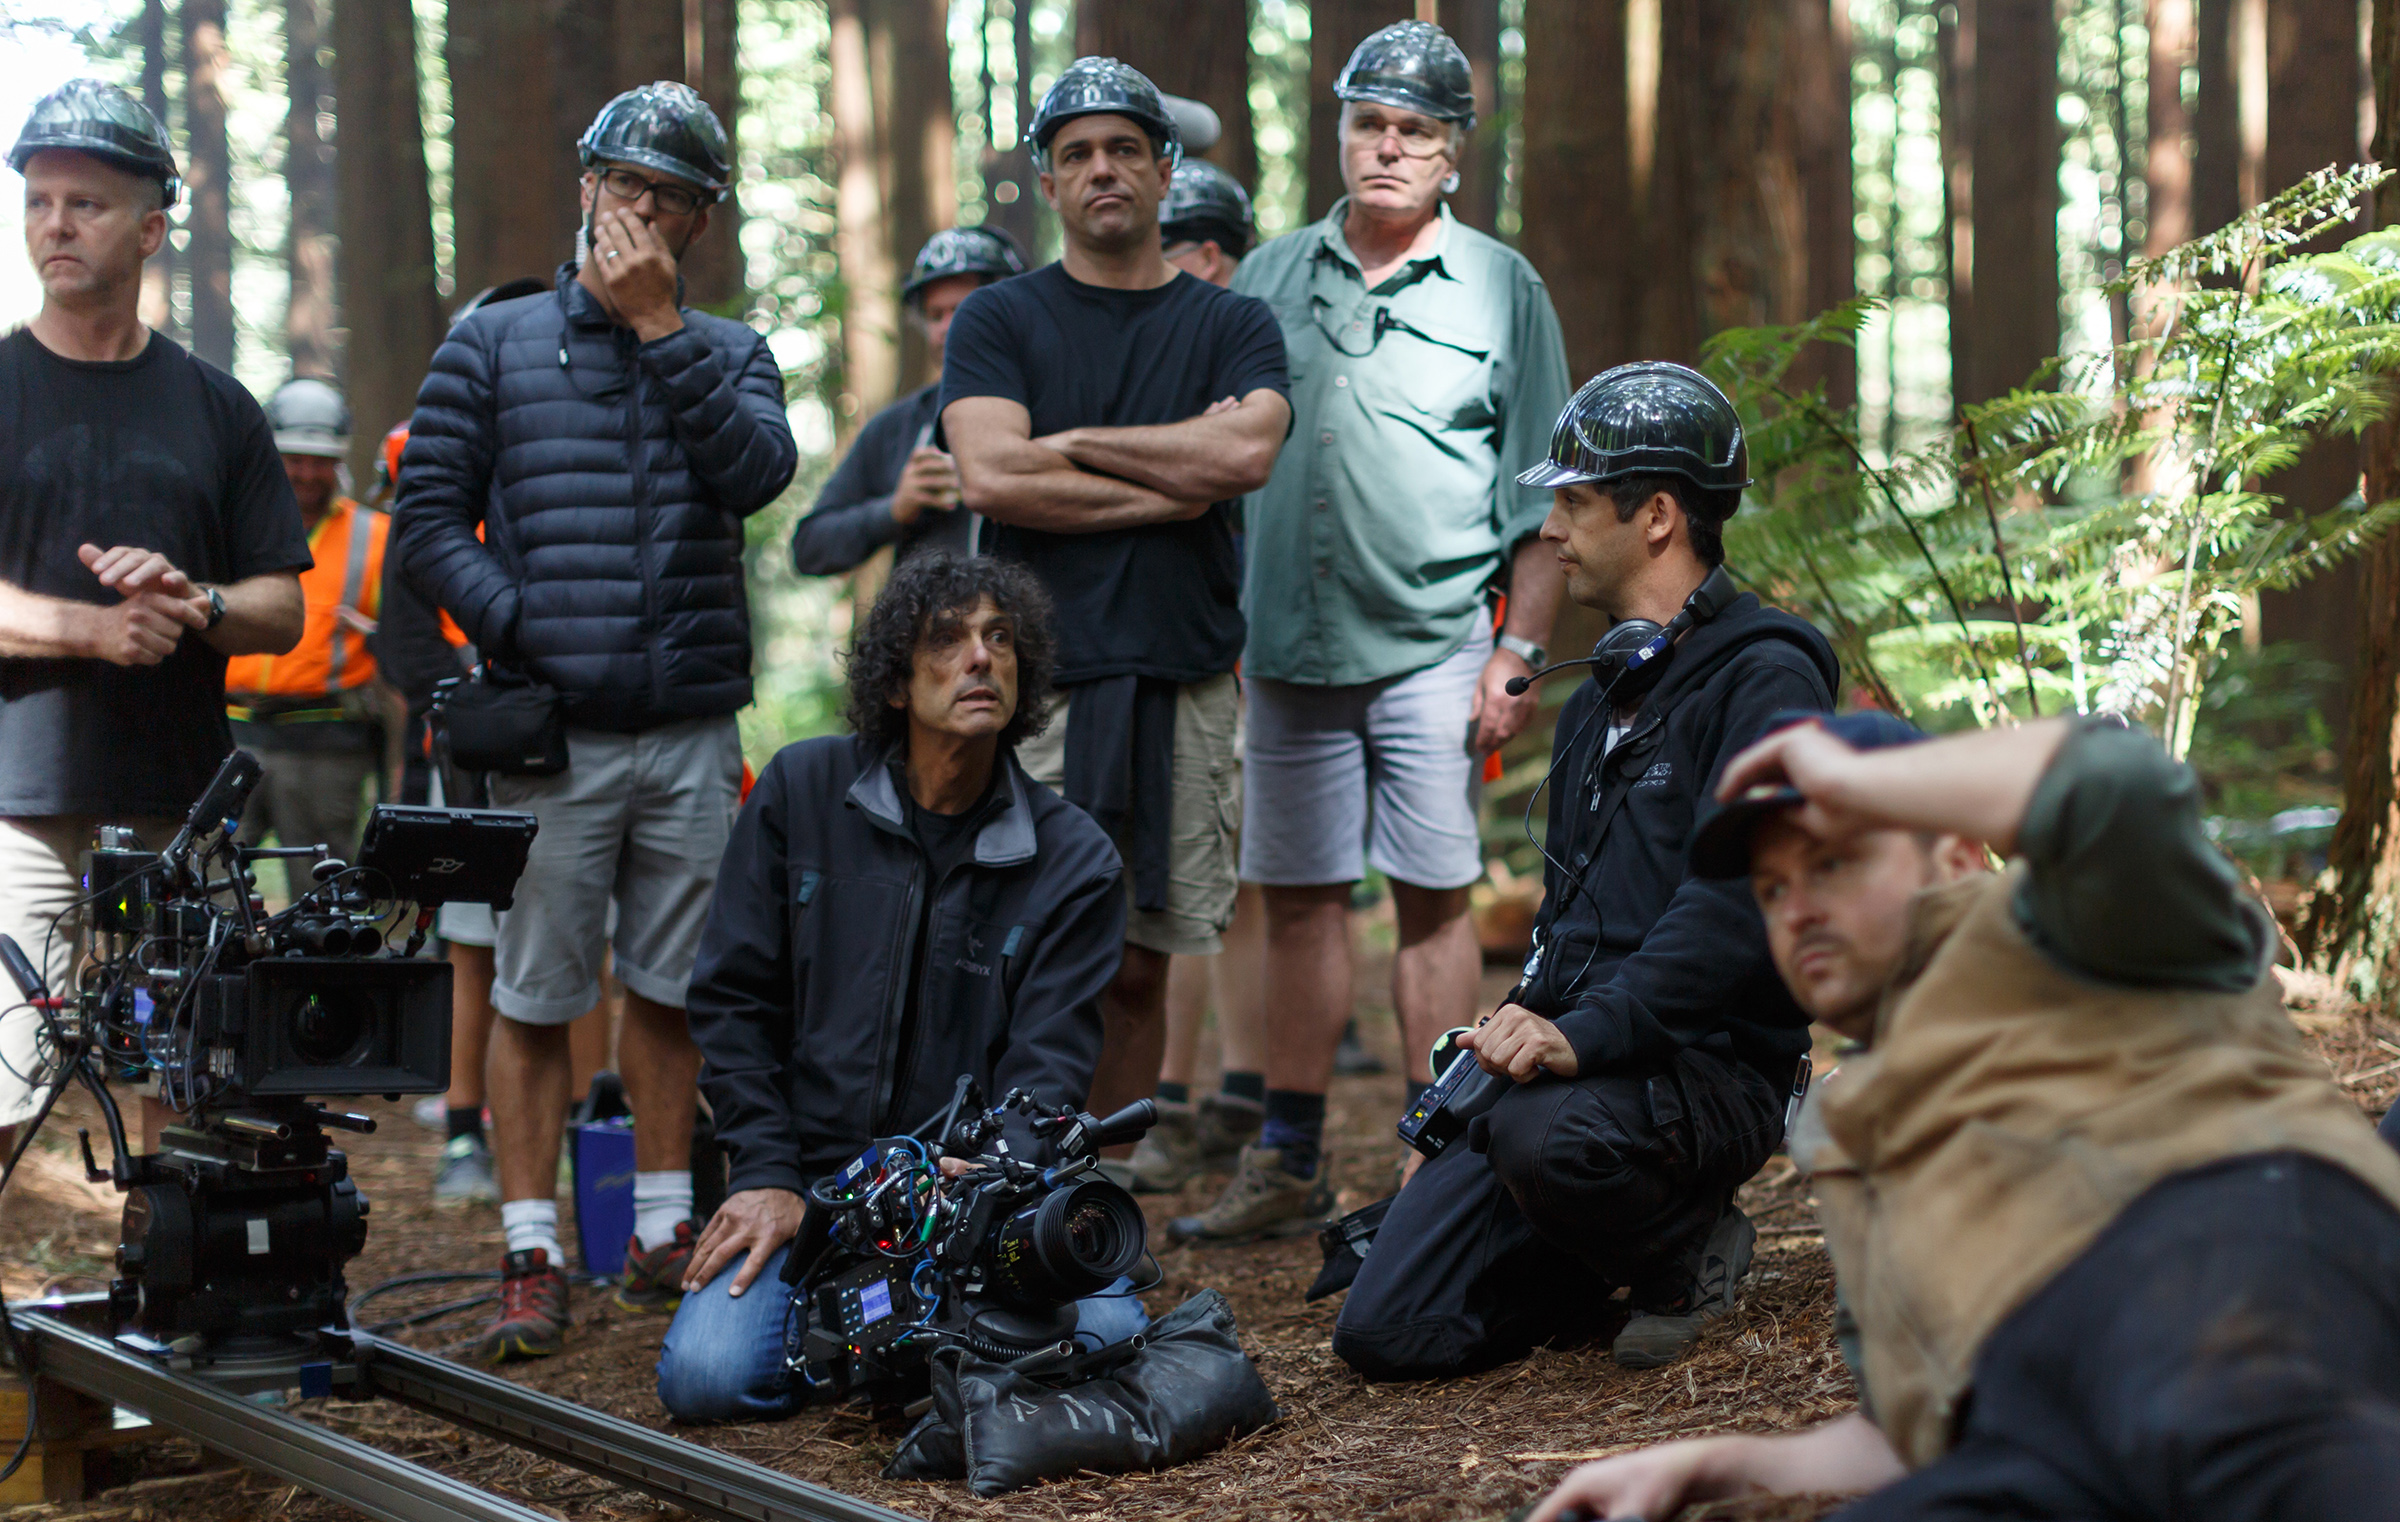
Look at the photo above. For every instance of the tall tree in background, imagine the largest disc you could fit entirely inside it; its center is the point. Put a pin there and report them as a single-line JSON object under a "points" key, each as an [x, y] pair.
{"points": [[1476, 25], [390, 304], [2350, 928], [2312, 121], [208, 173], [158, 274], [1582, 244], [1335, 28], [862, 244], [917, 126], [713, 273], [1200, 49], [308, 319], [2216, 116], [1750, 217], [2002, 70], [512, 161]]}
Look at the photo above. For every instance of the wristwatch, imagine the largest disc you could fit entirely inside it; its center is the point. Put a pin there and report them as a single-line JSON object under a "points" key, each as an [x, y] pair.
{"points": [[1523, 649], [216, 609]]}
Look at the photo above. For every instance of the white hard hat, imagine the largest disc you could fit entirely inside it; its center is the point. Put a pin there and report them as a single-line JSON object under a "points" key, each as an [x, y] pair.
{"points": [[309, 417]]}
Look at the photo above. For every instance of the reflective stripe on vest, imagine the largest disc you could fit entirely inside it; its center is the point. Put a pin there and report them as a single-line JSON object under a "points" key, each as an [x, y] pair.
{"points": [[331, 657]]}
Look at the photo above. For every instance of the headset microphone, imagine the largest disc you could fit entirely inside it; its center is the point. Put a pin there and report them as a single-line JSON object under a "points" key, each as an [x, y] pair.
{"points": [[1629, 652]]}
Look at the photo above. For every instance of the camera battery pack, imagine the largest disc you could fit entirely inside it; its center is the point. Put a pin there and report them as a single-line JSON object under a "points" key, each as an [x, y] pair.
{"points": [[1441, 1113]]}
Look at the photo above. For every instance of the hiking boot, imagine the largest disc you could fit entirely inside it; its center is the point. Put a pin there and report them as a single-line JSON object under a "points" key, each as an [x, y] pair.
{"points": [[533, 1310], [465, 1177], [1168, 1157], [1224, 1128], [1352, 1059], [653, 1280], [1663, 1329], [1260, 1200]]}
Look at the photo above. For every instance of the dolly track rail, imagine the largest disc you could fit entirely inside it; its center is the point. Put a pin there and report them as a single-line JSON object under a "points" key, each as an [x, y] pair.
{"points": [[700, 1480], [392, 1489]]}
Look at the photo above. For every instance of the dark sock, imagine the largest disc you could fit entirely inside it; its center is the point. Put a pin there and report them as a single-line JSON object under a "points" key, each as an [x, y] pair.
{"points": [[466, 1122], [1296, 1124], [1174, 1093], [1416, 1091], [1245, 1086]]}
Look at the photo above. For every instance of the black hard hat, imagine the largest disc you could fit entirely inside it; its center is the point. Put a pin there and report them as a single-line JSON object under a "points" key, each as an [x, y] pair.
{"points": [[1646, 419], [985, 251], [664, 126], [1103, 87], [1205, 202], [506, 290], [1414, 66], [87, 116]]}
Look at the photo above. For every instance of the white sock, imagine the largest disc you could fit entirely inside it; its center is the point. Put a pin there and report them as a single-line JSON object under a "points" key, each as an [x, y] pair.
{"points": [[661, 1202], [533, 1223]]}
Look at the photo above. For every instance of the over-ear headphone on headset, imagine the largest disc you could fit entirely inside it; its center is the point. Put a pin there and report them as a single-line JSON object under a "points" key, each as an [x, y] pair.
{"points": [[1633, 654]]}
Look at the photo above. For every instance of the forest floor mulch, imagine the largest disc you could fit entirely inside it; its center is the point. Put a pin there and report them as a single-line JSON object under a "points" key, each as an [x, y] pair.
{"points": [[1479, 1447]]}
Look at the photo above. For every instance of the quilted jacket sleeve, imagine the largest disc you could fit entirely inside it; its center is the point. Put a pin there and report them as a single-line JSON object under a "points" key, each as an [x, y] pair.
{"points": [[728, 414], [445, 479]]}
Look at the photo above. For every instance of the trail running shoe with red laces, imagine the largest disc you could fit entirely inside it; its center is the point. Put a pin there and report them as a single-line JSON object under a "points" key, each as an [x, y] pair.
{"points": [[653, 1280], [533, 1310]]}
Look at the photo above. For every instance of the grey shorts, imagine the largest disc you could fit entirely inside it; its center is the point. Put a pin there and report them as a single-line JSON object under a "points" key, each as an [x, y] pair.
{"points": [[1335, 779], [40, 880], [637, 821], [1206, 815]]}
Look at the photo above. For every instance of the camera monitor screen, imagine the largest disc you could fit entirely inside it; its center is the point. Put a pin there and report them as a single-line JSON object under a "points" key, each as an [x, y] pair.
{"points": [[446, 856]]}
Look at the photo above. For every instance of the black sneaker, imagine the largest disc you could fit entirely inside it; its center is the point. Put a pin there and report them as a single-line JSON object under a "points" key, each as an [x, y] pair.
{"points": [[1665, 1329]]}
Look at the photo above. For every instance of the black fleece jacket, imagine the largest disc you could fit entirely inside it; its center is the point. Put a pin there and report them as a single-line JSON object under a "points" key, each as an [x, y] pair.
{"points": [[799, 1000], [853, 515], [1640, 959]]}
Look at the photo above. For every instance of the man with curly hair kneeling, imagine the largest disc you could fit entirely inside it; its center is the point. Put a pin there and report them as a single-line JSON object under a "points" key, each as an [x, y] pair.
{"points": [[898, 907]]}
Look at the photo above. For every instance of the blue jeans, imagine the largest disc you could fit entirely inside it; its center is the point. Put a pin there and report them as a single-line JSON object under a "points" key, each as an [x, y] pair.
{"points": [[723, 1360]]}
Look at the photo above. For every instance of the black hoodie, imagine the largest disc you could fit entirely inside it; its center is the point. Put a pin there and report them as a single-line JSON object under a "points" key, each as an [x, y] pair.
{"points": [[1642, 959]]}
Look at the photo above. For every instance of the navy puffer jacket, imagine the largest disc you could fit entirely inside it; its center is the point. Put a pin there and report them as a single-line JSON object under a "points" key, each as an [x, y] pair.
{"points": [[614, 476]]}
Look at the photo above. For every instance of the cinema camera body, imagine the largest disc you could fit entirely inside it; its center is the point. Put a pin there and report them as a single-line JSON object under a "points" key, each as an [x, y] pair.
{"points": [[237, 1230], [992, 1259]]}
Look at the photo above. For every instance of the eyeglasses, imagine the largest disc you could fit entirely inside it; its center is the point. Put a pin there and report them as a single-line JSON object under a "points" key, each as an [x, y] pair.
{"points": [[1417, 140], [673, 199]]}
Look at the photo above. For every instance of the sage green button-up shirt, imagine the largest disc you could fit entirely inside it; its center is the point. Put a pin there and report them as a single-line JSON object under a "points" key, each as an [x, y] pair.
{"points": [[1414, 406]]}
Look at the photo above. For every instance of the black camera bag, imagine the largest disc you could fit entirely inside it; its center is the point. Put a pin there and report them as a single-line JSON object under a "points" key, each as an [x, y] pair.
{"points": [[1190, 1389], [503, 721]]}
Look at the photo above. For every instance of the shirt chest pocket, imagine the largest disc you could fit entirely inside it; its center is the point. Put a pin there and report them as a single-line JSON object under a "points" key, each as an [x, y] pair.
{"points": [[1420, 370]]}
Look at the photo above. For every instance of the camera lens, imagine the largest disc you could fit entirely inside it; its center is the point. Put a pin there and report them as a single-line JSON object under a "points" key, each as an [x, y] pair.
{"points": [[328, 1026], [1075, 1242]]}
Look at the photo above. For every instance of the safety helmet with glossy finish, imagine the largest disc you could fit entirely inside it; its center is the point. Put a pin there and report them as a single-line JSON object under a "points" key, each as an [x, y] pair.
{"points": [[1647, 419], [1412, 66], [1204, 202], [664, 126], [1104, 87], [309, 417], [984, 251], [89, 116]]}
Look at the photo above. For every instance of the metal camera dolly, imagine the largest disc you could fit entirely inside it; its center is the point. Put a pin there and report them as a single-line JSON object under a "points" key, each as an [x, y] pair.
{"points": [[72, 1349]]}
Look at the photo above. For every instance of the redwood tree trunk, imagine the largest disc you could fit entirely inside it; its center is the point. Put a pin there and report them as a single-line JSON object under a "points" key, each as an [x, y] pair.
{"points": [[308, 318], [1199, 49], [1335, 27], [2312, 121], [1575, 134], [2216, 118], [512, 168], [388, 296], [2350, 928], [921, 138], [2008, 270], [1476, 25], [713, 274], [158, 275], [870, 315], [208, 172]]}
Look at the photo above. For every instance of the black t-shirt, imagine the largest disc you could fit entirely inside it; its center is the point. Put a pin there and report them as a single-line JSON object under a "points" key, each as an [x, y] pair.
{"points": [[1162, 600], [164, 453]]}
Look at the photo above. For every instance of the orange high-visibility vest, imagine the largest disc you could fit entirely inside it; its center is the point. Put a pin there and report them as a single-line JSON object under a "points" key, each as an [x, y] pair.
{"points": [[332, 655]]}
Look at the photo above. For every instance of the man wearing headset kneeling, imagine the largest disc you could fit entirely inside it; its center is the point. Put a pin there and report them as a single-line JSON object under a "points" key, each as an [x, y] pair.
{"points": [[1651, 1045]]}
